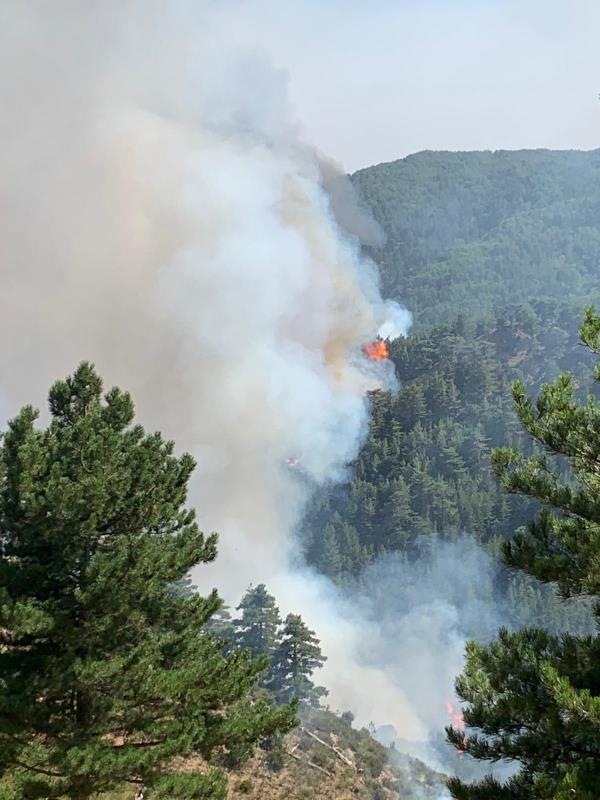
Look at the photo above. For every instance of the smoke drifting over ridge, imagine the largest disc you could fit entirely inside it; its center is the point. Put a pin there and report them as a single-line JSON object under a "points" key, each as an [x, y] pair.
{"points": [[160, 216]]}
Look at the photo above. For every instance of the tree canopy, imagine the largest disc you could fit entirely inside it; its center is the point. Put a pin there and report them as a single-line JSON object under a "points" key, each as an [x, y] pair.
{"points": [[257, 628], [531, 696], [291, 651], [474, 232], [107, 670], [295, 659]]}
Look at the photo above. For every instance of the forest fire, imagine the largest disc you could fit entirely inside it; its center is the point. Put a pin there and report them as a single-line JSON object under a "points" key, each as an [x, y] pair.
{"points": [[457, 717], [458, 721], [377, 350]]}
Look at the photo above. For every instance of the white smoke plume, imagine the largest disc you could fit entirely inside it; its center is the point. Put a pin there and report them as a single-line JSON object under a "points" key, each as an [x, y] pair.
{"points": [[400, 630], [161, 216], [395, 637]]}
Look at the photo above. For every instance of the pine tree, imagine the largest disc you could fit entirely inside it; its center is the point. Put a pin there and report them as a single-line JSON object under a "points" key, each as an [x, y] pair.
{"points": [[106, 669], [330, 562], [221, 624], [535, 697], [397, 516], [293, 663], [257, 628]]}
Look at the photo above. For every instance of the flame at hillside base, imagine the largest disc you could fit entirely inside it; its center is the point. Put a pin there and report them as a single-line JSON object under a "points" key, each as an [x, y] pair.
{"points": [[377, 350], [457, 721], [455, 714]]}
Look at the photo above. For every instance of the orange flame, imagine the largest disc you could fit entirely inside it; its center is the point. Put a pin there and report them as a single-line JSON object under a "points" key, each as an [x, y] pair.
{"points": [[377, 350], [457, 717], [458, 722]]}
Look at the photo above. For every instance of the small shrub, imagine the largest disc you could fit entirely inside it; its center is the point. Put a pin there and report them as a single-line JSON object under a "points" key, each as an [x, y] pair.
{"points": [[377, 792], [345, 783], [245, 786], [234, 757], [372, 756], [275, 752], [322, 757]]}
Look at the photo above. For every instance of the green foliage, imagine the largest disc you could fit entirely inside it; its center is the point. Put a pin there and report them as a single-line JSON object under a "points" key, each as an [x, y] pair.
{"points": [[534, 697], [561, 547], [425, 469], [369, 753], [106, 672], [275, 752], [373, 756], [468, 235], [377, 791], [222, 626], [470, 232], [257, 628], [290, 651], [410, 777], [297, 656]]}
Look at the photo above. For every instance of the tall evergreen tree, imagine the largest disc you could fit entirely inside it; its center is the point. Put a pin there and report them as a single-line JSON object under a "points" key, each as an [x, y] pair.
{"points": [[293, 663], [106, 670], [257, 627], [534, 697], [221, 624], [330, 561]]}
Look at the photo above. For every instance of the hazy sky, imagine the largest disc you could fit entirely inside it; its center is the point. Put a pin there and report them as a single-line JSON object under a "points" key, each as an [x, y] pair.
{"points": [[374, 81]]}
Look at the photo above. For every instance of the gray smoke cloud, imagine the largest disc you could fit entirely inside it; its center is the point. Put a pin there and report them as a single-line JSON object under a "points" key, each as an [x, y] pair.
{"points": [[395, 636], [161, 216], [400, 631]]}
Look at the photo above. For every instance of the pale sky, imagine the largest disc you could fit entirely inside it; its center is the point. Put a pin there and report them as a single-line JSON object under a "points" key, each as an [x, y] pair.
{"points": [[374, 81]]}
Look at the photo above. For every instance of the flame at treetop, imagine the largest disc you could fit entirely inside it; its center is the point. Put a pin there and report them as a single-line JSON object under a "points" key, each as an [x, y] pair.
{"points": [[377, 350]]}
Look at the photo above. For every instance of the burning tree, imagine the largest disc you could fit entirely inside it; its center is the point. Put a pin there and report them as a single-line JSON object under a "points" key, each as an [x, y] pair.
{"points": [[534, 697], [106, 670], [378, 350], [456, 715]]}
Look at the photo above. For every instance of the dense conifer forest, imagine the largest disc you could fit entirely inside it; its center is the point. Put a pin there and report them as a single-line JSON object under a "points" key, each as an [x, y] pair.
{"points": [[474, 232], [481, 323], [487, 312]]}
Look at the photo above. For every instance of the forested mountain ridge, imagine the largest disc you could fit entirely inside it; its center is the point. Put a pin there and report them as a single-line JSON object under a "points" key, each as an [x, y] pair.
{"points": [[461, 238], [475, 231]]}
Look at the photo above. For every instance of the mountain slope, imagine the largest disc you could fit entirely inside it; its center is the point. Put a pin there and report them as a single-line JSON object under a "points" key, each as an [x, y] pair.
{"points": [[471, 232], [425, 467], [496, 254], [324, 758]]}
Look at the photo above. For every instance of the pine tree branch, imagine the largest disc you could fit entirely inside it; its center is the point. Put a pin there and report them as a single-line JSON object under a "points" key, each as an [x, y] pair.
{"points": [[38, 770]]}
